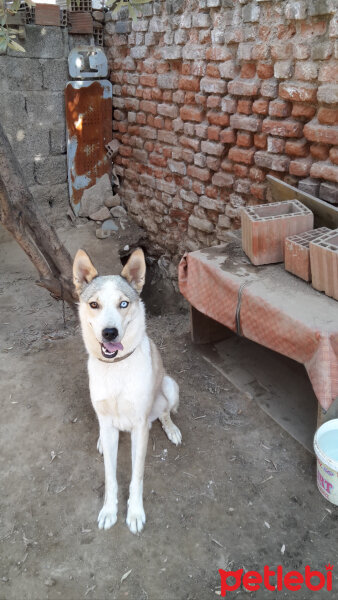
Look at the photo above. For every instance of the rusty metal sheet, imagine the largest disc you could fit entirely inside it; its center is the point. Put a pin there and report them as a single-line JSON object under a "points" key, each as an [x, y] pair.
{"points": [[89, 129], [80, 22]]}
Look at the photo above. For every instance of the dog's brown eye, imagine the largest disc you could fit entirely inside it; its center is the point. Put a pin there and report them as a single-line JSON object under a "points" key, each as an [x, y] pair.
{"points": [[93, 305]]}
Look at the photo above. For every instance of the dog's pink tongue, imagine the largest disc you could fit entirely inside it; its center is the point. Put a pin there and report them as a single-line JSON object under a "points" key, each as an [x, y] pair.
{"points": [[113, 346]]}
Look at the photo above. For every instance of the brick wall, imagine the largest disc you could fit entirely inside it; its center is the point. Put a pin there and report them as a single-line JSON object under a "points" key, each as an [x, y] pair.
{"points": [[209, 97]]}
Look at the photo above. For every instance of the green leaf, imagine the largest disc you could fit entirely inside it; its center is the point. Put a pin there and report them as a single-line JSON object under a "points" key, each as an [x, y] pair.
{"points": [[16, 46], [15, 5], [110, 2]]}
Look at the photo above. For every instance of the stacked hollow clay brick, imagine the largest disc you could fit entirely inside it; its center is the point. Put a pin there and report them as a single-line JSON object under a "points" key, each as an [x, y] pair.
{"points": [[209, 97]]}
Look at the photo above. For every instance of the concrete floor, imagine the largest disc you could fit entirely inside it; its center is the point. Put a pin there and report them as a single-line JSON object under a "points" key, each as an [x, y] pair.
{"points": [[239, 493]]}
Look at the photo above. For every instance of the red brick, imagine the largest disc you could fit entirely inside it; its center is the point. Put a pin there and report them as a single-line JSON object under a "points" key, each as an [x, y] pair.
{"points": [[212, 71], [328, 72], [211, 85], [221, 53], [213, 163], [197, 173], [191, 84], [168, 110], [212, 148], [211, 191], [240, 170], [285, 32], [306, 70], [248, 70], [189, 98], [141, 118], [260, 106], [324, 170], [149, 80], [242, 87], [186, 69], [213, 101], [216, 118], [244, 139], [276, 145], [257, 174], [190, 143], [191, 113], [248, 123], [148, 107], [260, 52], [264, 71], [325, 134], [244, 107], [334, 155], [279, 108], [258, 190], [298, 92], [303, 110], [297, 147], [158, 160], [223, 179], [300, 167], [281, 51], [312, 29], [260, 140], [319, 151], [227, 136], [200, 99], [282, 128], [328, 116], [213, 133], [276, 162], [242, 155], [227, 165]]}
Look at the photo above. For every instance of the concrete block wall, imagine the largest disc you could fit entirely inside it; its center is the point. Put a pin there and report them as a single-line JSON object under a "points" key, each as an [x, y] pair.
{"points": [[33, 115], [210, 96]]}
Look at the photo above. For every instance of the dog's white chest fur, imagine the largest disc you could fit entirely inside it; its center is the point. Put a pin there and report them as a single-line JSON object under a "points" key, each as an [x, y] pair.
{"points": [[122, 390]]}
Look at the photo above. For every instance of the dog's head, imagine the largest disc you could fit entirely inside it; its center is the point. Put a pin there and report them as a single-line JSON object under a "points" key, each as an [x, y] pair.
{"points": [[111, 312]]}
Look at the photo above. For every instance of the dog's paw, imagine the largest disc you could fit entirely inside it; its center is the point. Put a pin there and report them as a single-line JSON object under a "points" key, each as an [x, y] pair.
{"points": [[173, 434], [99, 446], [136, 518], [107, 516]]}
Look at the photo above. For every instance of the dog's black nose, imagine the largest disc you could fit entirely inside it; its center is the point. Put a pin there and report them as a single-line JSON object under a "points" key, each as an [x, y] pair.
{"points": [[110, 333]]}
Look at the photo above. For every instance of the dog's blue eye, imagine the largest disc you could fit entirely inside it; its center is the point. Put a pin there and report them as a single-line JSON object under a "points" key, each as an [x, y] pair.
{"points": [[124, 304]]}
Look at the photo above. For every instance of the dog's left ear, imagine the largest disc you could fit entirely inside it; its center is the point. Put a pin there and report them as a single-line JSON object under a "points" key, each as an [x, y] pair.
{"points": [[134, 271], [83, 270]]}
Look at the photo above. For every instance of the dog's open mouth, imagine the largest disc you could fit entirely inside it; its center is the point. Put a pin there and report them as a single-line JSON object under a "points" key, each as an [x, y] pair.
{"points": [[110, 349]]}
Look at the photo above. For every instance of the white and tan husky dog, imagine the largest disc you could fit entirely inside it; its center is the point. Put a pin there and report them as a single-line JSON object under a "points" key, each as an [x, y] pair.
{"points": [[128, 385]]}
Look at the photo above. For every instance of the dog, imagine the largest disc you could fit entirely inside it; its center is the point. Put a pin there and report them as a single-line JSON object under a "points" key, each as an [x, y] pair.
{"points": [[129, 387]]}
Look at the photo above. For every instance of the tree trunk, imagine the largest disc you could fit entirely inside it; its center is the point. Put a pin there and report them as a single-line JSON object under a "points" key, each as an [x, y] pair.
{"points": [[23, 219]]}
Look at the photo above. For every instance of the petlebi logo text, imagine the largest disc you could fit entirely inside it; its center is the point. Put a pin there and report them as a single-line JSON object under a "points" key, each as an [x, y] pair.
{"points": [[276, 579]]}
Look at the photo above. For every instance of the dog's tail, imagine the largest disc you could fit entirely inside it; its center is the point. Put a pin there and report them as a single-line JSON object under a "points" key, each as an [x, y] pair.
{"points": [[171, 391]]}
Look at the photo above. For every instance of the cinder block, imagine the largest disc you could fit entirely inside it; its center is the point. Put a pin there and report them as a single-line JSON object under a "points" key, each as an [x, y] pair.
{"points": [[297, 252], [324, 263], [265, 227]]}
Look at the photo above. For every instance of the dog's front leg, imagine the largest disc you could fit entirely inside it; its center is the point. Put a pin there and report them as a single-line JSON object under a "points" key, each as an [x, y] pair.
{"points": [[109, 436], [139, 442]]}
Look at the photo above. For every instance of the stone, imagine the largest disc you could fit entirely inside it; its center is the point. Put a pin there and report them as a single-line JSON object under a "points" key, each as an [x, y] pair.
{"points": [[52, 169], [93, 198], [100, 215], [106, 229], [112, 201], [118, 212]]}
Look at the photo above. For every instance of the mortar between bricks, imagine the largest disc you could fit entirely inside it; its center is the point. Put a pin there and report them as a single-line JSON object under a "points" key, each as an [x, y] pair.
{"points": [[265, 227], [297, 252]]}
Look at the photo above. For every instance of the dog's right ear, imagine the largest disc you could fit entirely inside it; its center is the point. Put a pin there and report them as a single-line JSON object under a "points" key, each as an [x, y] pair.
{"points": [[83, 270]]}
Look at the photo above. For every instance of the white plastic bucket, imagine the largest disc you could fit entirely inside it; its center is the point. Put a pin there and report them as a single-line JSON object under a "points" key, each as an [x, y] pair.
{"points": [[326, 449]]}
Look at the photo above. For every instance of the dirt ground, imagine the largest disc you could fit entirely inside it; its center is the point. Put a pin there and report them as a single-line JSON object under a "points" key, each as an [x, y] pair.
{"points": [[239, 492]]}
